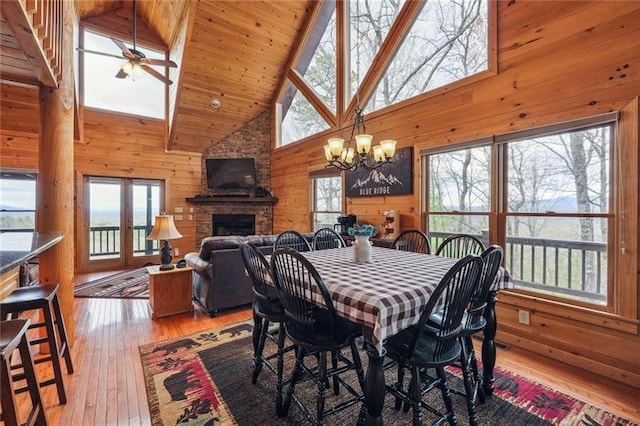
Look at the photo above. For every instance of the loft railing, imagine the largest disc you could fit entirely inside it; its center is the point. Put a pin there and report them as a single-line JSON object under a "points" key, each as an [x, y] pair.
{"points": [[577, 269], [37, 26]]}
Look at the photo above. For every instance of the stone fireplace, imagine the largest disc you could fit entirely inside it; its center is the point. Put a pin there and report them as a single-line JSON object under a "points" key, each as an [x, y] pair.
{"points": [[206, 209], [252, 141]]}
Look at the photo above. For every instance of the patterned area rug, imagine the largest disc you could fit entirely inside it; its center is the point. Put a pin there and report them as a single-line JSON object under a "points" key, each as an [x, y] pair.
{"points": [[133, 284], [205, 379]]}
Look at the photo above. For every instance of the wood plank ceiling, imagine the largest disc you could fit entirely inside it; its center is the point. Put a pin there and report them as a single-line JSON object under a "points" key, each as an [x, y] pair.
{"points": [[236, 52]]}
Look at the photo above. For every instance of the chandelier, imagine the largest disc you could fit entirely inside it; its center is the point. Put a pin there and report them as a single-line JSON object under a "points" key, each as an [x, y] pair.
{"points": [[363, 154]]}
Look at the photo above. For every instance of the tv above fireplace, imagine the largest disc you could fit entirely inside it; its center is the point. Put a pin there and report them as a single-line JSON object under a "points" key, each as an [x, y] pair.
{"points": [[231, 173]]}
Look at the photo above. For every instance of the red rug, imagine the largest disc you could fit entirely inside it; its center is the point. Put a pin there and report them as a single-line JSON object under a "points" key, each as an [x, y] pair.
{"points": [[132, 284], [205, 379]]}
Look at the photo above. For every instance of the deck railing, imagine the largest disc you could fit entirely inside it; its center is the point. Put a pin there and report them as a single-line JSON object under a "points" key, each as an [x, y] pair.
{"points": [[576, 269], [105, 241]]}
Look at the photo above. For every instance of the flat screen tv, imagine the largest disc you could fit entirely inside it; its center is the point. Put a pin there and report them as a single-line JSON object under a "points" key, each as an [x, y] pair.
{"points": [[231, 173]]}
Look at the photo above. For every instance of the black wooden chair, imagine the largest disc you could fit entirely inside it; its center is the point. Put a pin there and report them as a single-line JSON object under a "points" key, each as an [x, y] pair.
{"points": [[327, 238], [266, 310], [315, 328], [433, 345], [474, 322], [459, 246], [412, 240], [291, 239]]}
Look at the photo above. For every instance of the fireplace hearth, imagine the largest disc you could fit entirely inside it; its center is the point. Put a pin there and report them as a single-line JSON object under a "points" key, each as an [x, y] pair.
{"points": [[233, 224]]}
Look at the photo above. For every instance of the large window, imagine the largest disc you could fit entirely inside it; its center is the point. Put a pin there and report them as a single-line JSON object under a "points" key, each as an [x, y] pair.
{"points": [[17, 201], [552, 212], [459, 193], [326, 194], [139, 94], [388, 51]]}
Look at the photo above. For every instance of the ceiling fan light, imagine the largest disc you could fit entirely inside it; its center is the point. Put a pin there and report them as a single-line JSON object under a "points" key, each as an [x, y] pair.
{"points": [[132, 68]]}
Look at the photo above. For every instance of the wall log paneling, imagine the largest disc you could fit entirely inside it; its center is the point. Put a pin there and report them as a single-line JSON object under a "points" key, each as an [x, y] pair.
{"points": [[557, 61]]}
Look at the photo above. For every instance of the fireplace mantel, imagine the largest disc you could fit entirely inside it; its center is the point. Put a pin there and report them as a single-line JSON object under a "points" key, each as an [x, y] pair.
{"points": [[227, 200]]}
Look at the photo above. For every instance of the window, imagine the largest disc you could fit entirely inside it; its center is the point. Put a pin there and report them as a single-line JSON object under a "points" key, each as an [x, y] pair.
{"points": [[17, 201], [558, 217], [552, 211], [459, 194], [374, 62], [326, 193], [447, 43], [300, 119], [140, 95]]}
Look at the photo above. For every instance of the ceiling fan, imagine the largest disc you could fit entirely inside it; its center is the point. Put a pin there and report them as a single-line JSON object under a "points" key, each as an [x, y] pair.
{"points": [[136, 62]]}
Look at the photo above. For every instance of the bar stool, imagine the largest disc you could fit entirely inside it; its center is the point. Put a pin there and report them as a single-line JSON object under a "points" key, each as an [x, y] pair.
{"points": [[44, 297], [13, 335]]}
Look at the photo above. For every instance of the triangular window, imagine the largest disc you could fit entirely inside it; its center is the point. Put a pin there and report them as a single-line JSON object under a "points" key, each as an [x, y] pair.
{"points": [[369, 23], [299, 117], [447, 43], [317, 60]]}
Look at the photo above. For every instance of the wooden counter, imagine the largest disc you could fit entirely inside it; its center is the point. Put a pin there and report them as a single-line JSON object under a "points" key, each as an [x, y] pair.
{"points": [[17, 247]]}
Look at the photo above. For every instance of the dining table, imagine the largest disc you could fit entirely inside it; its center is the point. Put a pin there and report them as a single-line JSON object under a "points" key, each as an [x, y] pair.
{"points": [[386, 296]]}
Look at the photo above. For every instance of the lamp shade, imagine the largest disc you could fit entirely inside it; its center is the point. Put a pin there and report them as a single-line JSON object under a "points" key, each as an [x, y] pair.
{"points": [[164, 229]]}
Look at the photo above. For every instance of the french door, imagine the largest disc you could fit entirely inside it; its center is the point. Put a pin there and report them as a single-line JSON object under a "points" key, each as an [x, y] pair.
{"points": [[119, 214]]}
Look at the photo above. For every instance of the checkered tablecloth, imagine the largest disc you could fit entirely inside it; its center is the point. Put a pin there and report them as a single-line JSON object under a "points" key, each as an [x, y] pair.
{"points": [[388, 294]]}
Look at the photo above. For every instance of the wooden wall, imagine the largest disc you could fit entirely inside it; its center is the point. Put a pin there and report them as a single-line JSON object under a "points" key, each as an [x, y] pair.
{"points": [[114, 145], [557, 61]]}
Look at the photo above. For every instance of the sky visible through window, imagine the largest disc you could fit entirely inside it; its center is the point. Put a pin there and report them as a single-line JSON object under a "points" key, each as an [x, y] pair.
{"points": [[140, 95]]}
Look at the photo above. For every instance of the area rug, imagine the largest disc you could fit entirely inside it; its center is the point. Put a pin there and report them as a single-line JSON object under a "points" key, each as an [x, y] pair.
{"points": [[205, 379], [132, 284]]}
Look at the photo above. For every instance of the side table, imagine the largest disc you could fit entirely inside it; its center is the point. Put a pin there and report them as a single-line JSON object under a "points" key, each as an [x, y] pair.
{"points": [[169, 291]]}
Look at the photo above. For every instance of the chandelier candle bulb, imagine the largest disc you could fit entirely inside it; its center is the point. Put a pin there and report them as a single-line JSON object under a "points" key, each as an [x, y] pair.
{"points": [[327, 152], [377, 153], [388, 147], [336, 146], [363, 143]]}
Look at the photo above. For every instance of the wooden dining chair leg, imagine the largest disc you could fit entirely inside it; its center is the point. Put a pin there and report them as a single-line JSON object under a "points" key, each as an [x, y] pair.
{"points": [[446, 395], [295, 374], [469, 382], [259, 361], [415, 395], [323, 384], [279, 383], [334, 364]]}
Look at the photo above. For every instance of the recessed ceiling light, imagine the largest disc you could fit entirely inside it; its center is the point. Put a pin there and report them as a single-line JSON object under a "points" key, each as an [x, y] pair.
{"points": [[215, 102]]}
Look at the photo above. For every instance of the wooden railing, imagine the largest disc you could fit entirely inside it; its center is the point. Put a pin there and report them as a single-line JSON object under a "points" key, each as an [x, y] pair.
{"points": [[105, 241], [571, 268], [37, 26]]}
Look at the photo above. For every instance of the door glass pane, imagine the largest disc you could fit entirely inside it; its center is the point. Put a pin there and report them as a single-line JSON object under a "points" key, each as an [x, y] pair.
{"points": [[104, 219], [146, 202]]}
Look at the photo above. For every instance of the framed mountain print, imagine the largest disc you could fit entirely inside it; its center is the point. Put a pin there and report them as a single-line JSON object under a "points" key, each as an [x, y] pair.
{"points": [[391, 179]]}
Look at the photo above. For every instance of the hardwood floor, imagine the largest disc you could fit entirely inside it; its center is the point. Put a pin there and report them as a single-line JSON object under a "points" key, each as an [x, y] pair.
{"points": [[108, 388]]}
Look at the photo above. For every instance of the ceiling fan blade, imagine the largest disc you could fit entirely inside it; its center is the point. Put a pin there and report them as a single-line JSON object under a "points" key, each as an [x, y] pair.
{"points": [[125, 50], [121, 74], [159, 62], [156, 74], [98, 53]]}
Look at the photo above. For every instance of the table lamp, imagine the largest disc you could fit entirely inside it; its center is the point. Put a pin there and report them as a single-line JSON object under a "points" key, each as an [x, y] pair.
{"points": [[164, 229]]}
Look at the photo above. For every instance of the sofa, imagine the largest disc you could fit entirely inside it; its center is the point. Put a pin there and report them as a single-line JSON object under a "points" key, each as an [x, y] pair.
{"points": [[219, 279]]}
